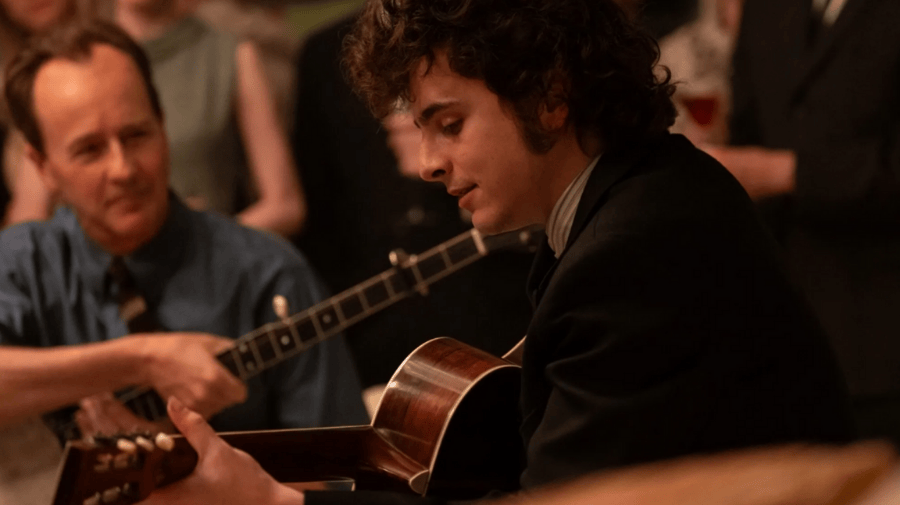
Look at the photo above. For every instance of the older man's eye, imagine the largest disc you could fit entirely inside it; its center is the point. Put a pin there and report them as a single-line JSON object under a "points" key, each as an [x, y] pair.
{"points": [[89, 150]]}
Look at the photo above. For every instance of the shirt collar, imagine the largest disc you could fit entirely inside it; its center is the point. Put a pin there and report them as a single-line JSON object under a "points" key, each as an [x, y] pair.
{"points": [[563, 215], [152, 261]]}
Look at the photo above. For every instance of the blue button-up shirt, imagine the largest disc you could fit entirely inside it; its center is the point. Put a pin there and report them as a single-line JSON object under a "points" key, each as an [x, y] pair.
{"points": [[201, 273]]}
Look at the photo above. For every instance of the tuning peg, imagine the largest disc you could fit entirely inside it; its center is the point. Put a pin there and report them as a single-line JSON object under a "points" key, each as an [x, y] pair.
{"points": [[111, 494], [144, 443], [125, 445], [165, 442]]}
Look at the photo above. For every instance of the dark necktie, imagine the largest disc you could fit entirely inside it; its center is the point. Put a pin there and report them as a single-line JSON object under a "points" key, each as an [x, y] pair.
{"points": [[132, 306]]}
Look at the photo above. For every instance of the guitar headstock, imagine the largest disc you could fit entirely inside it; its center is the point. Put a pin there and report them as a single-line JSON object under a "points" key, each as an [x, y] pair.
{"points": [[523, 240], [121, 470]]}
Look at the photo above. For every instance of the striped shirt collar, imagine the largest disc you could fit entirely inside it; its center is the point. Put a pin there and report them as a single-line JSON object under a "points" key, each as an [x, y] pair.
{"points": [[563, 215]]}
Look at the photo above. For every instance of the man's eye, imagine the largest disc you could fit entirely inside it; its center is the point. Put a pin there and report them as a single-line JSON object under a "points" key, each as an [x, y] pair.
{"points": [[453, 128], [89, 150], [134, 136]]}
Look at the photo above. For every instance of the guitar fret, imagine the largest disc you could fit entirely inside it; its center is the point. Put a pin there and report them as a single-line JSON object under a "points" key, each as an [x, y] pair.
{"points": [[479, 242], [377, 292], [431, 267], [414, 266], [328, 320], [294, 337], [279, 355], [462, 251], [306, 330], [250, 364], [254, 348], [398, 285], [351, 307], [265, 348], [386, 277], [238, 362], [337, 310], [362, 297], [446, 257], [316, 324]]}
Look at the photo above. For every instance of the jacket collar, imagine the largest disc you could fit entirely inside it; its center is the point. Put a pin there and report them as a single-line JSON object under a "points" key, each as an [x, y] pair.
{"points": [[612, 167]]}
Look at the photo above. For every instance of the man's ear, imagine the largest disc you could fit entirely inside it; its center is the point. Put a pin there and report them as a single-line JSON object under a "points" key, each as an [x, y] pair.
{"points": [[555, 109], [39, 161]]}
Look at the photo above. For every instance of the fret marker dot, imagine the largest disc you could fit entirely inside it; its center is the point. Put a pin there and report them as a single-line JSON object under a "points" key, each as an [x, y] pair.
{"points": [[285, 340], [326, 318], [250, 365]]}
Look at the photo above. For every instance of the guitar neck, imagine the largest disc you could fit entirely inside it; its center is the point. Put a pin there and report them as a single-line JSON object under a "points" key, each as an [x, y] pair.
{"points": [[274, 343]]}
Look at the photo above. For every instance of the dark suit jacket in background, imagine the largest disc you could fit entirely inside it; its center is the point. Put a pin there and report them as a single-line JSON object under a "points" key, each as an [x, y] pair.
{"points": [[835, 101], [667, 328]]}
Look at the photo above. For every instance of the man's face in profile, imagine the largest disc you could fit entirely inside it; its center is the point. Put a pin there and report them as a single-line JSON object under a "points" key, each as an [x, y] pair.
{"points": [[472, 143], [106, 153]]}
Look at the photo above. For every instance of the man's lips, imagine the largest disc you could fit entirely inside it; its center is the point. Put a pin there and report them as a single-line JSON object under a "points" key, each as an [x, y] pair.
{"points": [[461, 191]]}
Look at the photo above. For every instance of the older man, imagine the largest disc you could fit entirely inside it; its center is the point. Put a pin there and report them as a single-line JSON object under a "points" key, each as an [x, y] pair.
{"points": [[125, 251]]}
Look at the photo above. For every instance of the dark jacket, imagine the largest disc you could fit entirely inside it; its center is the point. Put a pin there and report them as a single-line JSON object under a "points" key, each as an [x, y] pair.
{"points": [[832, 97], [666, 328]]}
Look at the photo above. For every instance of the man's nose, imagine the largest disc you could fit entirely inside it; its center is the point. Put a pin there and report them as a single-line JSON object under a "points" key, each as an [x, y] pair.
{"points": [[433, 165], [121, 166]]}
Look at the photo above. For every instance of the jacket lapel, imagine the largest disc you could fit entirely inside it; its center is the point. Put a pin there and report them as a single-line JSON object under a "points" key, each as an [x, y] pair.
{"points": [[825, 45], [611, 167]]}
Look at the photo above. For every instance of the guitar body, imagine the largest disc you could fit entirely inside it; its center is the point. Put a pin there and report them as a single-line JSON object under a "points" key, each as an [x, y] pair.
{"points": [[454, 410]]}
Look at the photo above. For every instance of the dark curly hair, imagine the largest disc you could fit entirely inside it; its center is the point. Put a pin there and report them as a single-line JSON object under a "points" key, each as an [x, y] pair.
{"points": [[521, 49]]}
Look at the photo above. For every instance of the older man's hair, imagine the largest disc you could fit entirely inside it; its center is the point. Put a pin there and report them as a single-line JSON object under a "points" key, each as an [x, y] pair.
{"points": [[74, 43]]}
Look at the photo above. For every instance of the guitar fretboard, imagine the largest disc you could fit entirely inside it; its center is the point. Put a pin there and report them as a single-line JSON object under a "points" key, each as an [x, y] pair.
{"points": [[273, 343]]}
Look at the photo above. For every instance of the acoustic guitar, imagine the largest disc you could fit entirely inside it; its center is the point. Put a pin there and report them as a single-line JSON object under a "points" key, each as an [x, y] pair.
{"points": [[274, 343], [447, 425]]}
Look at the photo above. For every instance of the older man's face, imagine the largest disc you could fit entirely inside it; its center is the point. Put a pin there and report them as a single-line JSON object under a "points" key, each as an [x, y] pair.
{"points": [[106, 153]]}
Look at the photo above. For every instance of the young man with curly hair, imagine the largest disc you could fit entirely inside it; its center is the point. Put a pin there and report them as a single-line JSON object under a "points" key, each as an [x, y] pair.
{"points": [[663, 323]]}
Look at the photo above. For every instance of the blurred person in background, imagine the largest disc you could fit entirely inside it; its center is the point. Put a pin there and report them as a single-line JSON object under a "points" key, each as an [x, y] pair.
{"points": [[699, 57], [229, 149], [20, 19], [266, 24], [815, 134], [29, 452]]}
